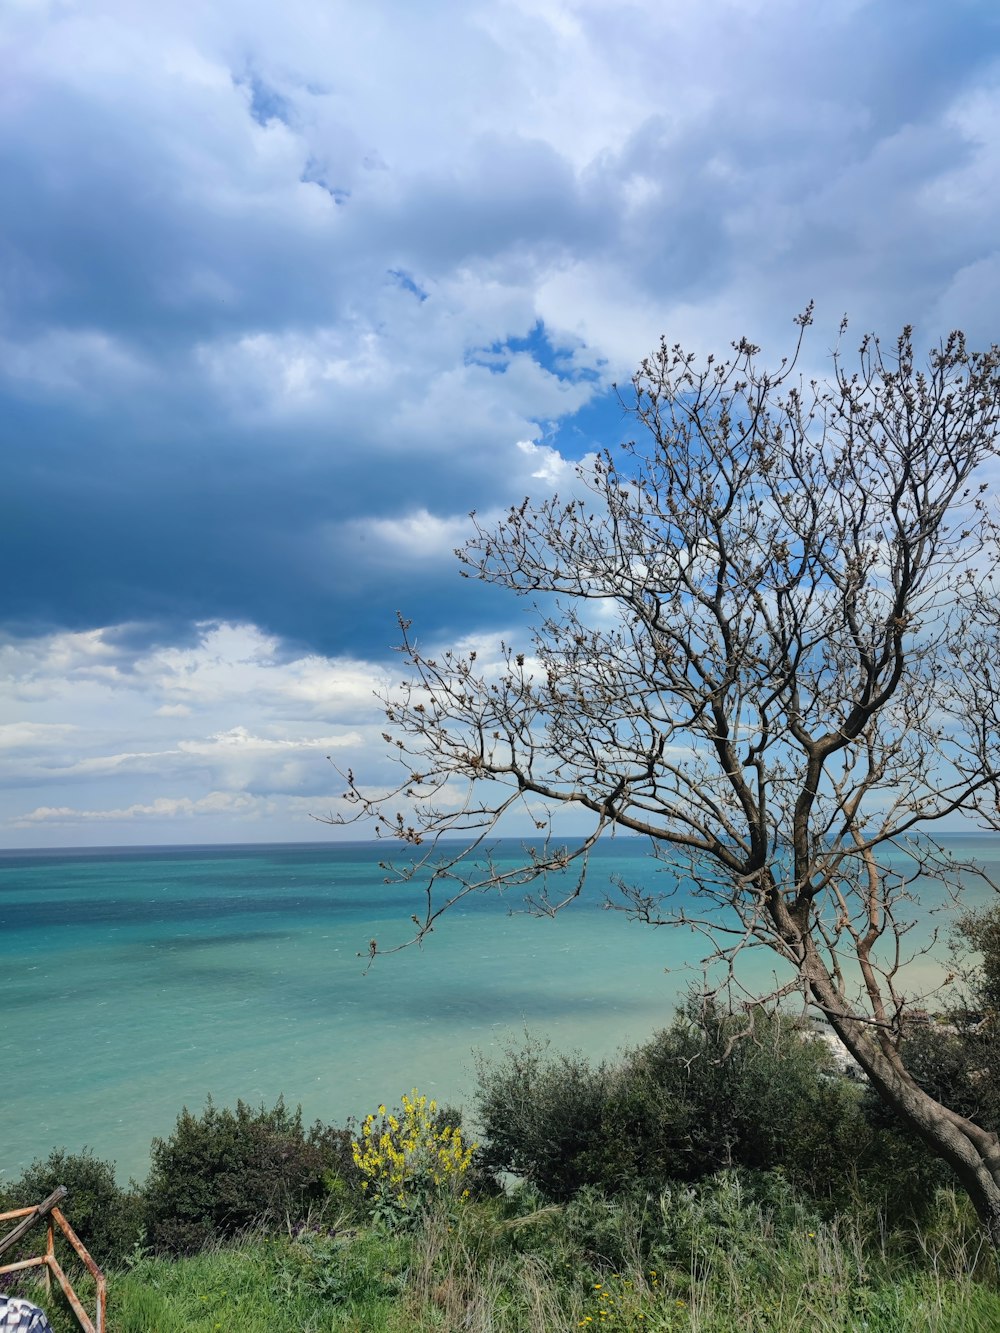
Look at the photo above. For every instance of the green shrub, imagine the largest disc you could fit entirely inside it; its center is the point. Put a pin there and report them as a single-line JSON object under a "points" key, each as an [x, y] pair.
{"points": [[748, 1213], [978, 933], [959, 1066], [226, 1170], [612, 1232], [957, 1063], [543, 1117], [755, 1096], [410, 1159], [702, 1096], [107, 1218], [343, 1269]]}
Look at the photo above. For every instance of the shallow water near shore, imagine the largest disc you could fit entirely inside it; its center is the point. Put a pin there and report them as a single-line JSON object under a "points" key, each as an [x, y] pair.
{"points": [[135, 981]]}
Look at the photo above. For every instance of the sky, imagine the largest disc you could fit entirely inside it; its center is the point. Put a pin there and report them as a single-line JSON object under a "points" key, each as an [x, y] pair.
{"points": [[287, 290]]}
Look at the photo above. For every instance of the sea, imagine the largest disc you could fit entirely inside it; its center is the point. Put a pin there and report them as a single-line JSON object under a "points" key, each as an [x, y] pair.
{"points": [[137, 981]]}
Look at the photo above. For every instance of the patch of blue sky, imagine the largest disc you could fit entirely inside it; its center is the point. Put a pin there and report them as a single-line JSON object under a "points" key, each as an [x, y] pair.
{"points": [[567, 361], [407, 282], [602, 423], [315, 174], [266, 103]]}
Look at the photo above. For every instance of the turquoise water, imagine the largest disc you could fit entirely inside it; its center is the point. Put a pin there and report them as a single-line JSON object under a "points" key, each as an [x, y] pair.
{"points": [[135, 981]]}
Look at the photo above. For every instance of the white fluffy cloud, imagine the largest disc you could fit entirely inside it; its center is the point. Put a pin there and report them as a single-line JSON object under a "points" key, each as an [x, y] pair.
{"points": [[214, 737]]}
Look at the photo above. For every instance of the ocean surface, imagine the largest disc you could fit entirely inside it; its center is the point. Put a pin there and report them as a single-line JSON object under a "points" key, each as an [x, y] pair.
{"points": [[135, 981]]}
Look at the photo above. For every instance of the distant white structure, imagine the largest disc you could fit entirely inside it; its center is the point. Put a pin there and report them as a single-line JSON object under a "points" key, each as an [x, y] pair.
{"points": [[845, 1062]]}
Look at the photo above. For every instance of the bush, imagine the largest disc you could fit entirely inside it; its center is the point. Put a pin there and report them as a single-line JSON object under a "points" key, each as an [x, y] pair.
{"points": [[758, 1097], [957, 1062], [979, 931], [958, 1066], [411, 1159], [224, 1171], [107, 1218], [749, 1215], [700, 1097], [544, 1116]]}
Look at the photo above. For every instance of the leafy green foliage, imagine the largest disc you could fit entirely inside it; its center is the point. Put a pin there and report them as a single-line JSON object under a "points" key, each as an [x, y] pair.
{"points": [[225, 1170], [409, 1159], [734, 1251], [342, 1269], [756, 1096], [106, 1217], [980, 931], [544, 1116], [958, 1066], [266, 1285], [957, 1061], [703, 1095]]}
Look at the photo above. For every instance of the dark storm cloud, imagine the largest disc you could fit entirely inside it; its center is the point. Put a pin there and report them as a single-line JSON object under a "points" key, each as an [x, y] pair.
{"points": [[169, 529]]}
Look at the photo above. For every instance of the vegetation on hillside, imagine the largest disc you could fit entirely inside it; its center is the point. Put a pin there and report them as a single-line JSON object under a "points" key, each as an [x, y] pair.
{"points": [[697, 1182]]}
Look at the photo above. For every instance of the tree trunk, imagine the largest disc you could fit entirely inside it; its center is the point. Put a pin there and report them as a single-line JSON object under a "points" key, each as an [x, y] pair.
{"points": [[972, 1152]]}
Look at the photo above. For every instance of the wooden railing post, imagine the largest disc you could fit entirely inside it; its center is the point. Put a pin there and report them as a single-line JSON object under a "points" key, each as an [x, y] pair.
{"points": [[50, 1254], [31, 1217]]}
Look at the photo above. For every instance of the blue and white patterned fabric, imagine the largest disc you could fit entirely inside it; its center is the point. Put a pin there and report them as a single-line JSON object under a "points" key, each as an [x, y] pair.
{"points": [[22, 1316]]}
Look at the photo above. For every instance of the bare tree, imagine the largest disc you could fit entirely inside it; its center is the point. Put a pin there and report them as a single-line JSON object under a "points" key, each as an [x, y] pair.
{"points": [[793, 674]]}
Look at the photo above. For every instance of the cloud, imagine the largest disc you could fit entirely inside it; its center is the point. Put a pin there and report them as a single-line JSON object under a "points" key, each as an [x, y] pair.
{"points": [[227, 717], [78, 362], [164, 807], [419, 535], [547, 463], [285, 298], [239, 812], [33, 735]]}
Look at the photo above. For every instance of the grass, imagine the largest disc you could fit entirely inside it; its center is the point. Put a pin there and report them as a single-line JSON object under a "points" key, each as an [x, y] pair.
{"points": [[264, 1286], [711, 1260]]}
